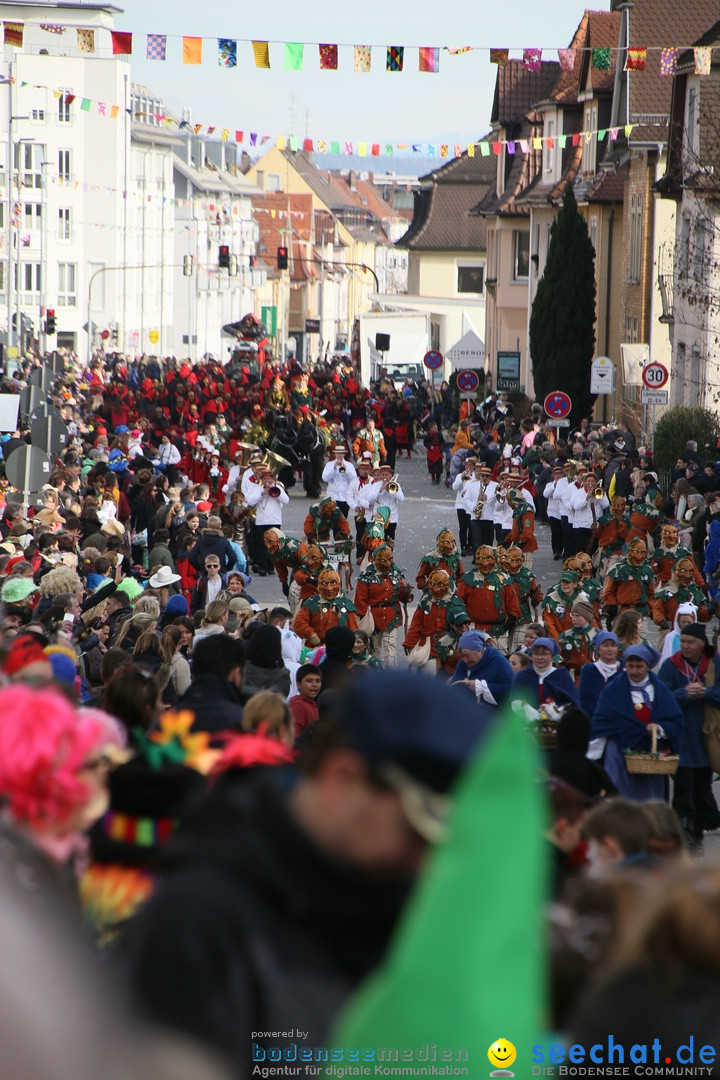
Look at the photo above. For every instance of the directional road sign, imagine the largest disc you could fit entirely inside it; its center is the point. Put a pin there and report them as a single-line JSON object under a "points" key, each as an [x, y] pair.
{"points": [[468, 381], [433, 359], [655, 375], [557, 405]]}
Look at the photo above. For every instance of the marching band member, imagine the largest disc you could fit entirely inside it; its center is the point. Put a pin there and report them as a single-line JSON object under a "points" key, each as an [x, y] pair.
{"points": [[554, 509], [587, 510], [355, 500], [338, 474], [268, 500], [460, 486]]}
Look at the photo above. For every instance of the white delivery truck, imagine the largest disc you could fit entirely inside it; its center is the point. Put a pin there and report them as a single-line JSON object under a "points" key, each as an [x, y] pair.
{"points": [[407, 336]]}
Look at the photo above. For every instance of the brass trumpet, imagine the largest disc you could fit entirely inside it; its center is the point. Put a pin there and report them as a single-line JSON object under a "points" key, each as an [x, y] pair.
{"points": [[599, 492], [393, 486], [479, 505], [342, 469], [501, 495]]}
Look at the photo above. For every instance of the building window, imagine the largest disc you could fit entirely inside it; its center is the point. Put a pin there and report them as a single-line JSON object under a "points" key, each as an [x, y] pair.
{"points": [[273, 182], [37, 116], [632, 330], [64, 165], [699, 251], [521, 260], [683, 254], [593, 233], [549, 150], [635, 239], [589, 137], [33, 215], [30, 156], [67, 284], [695, 382], [64, 113], [64, 219], [691, 123], [470, 279], [31, 277]]}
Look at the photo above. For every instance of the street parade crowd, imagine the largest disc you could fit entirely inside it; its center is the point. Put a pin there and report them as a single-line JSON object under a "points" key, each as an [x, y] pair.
{"points": [[232, 801]]}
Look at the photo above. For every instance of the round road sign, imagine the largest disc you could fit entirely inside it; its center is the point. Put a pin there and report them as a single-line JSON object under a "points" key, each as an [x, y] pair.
{"points": [[468, 381], [655, 375], [557, 405], [433, 359]]}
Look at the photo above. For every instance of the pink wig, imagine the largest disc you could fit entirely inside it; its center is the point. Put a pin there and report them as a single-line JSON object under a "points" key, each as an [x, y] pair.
{"points": [[44, 744]]}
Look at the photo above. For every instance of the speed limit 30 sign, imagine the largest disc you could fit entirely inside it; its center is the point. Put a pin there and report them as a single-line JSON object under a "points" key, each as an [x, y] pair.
{"points": [[655, 375]]}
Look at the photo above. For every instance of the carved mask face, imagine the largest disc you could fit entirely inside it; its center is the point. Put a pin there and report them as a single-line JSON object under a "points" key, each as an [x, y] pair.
{"points": [[669, 536], [328, 584], [684, 572], [573, 565], [272, 541], [485, 559], [515, 560], [383, 560], [314, 559], [446, 543], [439, 584], [637, 553], [328, 508], [585, 563], [502, 559], [618, 505]]}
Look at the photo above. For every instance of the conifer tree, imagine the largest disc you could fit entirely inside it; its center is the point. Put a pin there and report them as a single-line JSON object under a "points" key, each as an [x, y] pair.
{"points": [[562, 320]]}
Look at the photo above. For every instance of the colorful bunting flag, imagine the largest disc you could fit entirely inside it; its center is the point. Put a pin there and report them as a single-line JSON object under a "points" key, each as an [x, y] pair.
{"points": [[443, 150], [121, 43], [703, 59], [389, 149], [322, 146], [537, 143], [460, 50], [525, 146], [457, 150], [601, 59], [532, 58], [13, 34], [562, 141], [281, 142], [328, 57], [497, 148], [114, 112], [567, 59], [362, 58], [85, 41], [429, 60], [362, 149], [614, 134], [294, 143], [197, 128], [376, 149], [85, 104], [628, 130], [227, 53], [349, 149], [69, 98], [261, 53], [52, 28], [101, 108], [225, 134], [156, 46], [484, 149], [395, 58], [636, 59], [511, 146], [499, 57], [192, 50], [668, 61], [335, 147], [239, 136], [293, 56], [471, 149]]}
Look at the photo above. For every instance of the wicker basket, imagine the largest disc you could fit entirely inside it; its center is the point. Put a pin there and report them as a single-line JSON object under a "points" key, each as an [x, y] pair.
{"points": [[654, 763], [545, 731]]}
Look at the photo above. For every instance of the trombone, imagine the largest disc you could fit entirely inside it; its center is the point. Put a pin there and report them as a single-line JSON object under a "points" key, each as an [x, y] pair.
{"points": [[599, 492]]}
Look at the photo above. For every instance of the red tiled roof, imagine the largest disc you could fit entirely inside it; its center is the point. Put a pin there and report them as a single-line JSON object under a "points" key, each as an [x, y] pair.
{"points": [[661, 23], [606, 187], [517, 89]]}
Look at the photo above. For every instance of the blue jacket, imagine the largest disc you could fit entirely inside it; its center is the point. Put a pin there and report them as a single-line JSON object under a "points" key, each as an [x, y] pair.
{"points": [[615, 715], [559, 687], [692, 748], [591, 685], [712, 554], [493, 668]]}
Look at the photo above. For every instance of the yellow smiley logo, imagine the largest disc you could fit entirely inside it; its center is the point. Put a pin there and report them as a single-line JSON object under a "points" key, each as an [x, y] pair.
{"points": [[502, 1054]]}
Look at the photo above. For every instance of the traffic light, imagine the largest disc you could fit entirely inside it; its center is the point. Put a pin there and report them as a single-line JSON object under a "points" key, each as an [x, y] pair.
{"points": [[224, 255], [50, 321], [187, 265], [282, 258]]}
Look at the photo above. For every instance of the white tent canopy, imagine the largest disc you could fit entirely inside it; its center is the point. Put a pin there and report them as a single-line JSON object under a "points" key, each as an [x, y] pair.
{"points": [[468, 352]]}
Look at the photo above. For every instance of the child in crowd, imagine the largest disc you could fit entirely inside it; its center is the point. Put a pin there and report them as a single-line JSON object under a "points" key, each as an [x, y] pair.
{"points": [[303, 706]]}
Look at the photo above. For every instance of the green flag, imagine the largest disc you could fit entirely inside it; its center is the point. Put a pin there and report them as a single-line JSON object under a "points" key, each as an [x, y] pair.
{"points": [[293, 56], [465, 968]]}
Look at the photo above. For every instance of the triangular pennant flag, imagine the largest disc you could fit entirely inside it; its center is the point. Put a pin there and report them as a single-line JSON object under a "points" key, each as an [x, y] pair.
{"points": [[703, 59], [192, 50], [426, 992], [362, 58], [253, 138], [576, 138], [294, 51], [13, 34], [499, 57], [328, 57], [524, 146], [614, 134], [85, 40], [668, 61], [601, 134], [261, 53], [101, 108], [429, 60], [635, 60], [121, 43], [52, 28], [239, 136], [628, 130], [443, 150], [567, 59], [69, 98], [227, 52], [395, 58], [197, 128], [532, 58], [155, 46], [601, 59]]}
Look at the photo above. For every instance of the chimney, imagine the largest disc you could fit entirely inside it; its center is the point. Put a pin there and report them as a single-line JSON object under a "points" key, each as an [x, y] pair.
{"points": [[352, 180]]}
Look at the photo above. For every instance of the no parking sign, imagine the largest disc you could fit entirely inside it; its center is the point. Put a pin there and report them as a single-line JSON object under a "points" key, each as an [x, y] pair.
{"points": [[468, 381]]}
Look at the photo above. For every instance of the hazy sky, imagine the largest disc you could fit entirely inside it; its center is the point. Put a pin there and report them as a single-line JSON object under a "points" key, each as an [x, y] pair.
{"points": [[406, 106]]}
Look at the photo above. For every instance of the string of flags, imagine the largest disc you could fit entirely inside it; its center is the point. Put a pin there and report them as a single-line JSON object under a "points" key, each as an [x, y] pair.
{"points": [[483, 147], [226, 54]]}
